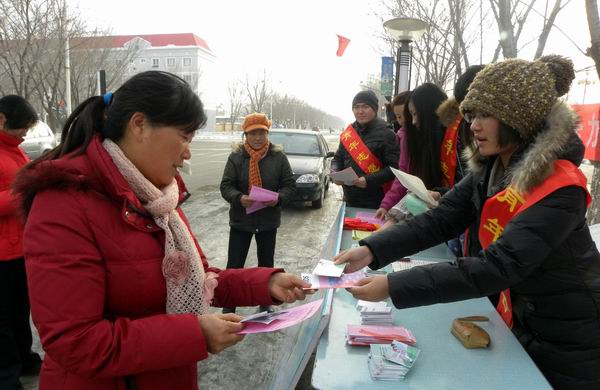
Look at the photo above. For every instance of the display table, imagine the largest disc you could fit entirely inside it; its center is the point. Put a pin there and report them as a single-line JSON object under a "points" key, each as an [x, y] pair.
{"points": [[443, 363]]}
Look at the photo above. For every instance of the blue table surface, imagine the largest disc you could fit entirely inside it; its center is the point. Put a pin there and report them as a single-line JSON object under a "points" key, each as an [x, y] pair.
{"points": [[443, 362]]}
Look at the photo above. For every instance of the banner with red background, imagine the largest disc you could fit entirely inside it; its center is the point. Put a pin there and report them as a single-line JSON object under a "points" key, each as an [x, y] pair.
{"points": [[589, 129]]}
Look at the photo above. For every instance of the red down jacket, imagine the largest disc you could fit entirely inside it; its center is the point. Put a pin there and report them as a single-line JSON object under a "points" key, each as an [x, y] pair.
{"points": [[97, 293], [12, 159]]}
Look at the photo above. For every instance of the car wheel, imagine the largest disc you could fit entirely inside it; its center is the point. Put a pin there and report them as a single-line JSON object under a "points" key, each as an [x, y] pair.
{"points": [[317, 204]]}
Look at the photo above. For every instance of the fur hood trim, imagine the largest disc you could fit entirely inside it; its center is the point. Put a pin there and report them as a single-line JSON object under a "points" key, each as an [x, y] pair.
{"points": [[537, 162], [448, 111]]}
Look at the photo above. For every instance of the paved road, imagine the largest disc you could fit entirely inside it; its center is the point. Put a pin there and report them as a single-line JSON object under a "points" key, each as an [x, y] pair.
{"points": [[209, 158], [208, 161]]}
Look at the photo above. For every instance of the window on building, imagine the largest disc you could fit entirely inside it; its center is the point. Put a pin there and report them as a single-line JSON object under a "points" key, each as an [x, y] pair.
{"points": [[142, 60], [187, 61], [187, 78], [170, 62], [155, 62]]}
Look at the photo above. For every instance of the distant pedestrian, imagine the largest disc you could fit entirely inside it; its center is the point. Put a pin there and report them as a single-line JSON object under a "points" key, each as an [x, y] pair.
{"points": [[255, 162], [17, 116], [369, 147], [120, 288]]}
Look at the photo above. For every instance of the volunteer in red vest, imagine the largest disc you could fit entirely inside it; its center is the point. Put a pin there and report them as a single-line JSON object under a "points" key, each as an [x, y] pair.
{"points": [[458, 132], [370, 148], [17, 116], [525, 201]]}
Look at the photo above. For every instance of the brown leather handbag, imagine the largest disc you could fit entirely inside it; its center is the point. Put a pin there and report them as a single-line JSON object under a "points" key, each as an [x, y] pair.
{"points": [[469, 334]]}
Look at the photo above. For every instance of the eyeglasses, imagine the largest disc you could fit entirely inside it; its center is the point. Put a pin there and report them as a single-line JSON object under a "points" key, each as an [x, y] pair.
{"points": [[470, 117]]}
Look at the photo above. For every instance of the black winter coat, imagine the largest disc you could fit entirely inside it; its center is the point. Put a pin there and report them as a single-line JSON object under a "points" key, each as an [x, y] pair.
{"points": [[276, 175], [545, 255], [382, 142]]}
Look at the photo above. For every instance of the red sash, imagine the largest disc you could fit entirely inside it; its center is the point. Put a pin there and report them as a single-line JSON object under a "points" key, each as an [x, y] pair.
{"points": [[360, 153], [448, 153], [501, 208]]}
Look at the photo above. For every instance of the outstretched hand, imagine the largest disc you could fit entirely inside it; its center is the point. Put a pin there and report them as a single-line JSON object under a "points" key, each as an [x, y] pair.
{"points": [[288, 288], [373, 288], [355, 258]]}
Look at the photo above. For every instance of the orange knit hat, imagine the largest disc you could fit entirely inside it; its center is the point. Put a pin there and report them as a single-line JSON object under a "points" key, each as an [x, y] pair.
{"points": [[256, 121]]}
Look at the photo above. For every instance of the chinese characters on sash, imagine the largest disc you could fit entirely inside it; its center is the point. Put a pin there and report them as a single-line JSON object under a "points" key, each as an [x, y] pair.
{"points": [[501, 208]]}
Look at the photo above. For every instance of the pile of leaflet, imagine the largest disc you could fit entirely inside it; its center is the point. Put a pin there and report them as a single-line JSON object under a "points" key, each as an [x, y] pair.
{"points": [[375, 313], [390, 362], [376, 334]]}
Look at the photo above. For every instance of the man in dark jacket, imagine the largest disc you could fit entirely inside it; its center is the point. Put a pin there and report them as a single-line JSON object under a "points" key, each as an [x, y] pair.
{"points": [[525, 208], [370, 148]]}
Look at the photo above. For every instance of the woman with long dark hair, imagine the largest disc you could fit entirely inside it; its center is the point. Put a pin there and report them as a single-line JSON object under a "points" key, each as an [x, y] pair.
{"points": [[424, 135], [120, 289]]}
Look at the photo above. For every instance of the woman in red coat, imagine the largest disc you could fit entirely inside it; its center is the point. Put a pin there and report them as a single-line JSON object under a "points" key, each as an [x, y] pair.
{"points": [[17, 116], [119, 287]]}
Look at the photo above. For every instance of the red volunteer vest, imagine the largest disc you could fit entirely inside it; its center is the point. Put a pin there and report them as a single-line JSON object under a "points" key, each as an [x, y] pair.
{"points": [[448, 153], [360, 153], [501, 208]]}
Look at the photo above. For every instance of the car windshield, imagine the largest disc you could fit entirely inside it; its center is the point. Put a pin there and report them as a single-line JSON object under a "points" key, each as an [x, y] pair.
{"points": [[295, 143]]}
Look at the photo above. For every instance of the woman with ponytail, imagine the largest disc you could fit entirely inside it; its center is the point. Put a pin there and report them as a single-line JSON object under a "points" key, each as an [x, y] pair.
{"points": [[120, 289]]}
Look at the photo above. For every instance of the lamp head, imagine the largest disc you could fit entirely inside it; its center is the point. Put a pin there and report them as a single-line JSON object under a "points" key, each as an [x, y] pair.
{"points": [[406, 29]]}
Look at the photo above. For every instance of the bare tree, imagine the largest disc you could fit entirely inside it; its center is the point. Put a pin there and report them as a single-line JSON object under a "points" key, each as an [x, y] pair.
{"points": [[441, 53], [257, 93], [593, 19], [33, 36], [548, 23], [23, 32], [235, 91]]}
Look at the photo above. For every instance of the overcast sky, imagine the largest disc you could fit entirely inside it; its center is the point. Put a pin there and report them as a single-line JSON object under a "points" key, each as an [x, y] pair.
{"points": [[295, 41]]}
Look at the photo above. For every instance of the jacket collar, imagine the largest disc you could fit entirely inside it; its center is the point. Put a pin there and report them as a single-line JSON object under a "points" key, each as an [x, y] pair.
{"points": [[9, 140], [238, 147], [533, 162]]}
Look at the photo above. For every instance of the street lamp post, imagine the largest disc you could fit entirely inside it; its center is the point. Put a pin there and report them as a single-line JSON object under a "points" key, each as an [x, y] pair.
{"points": [[404, 31]]}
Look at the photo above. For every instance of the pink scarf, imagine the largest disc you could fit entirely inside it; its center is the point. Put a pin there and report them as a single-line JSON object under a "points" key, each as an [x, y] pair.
{"points": [[189, 288]]}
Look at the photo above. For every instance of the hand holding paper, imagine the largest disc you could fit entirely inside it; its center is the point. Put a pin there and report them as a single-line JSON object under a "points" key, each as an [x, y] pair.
{"points": [[414, 185], [262, 198], [373, 288], [346, 176], [284, 319], [220, 330], [288, 288], [322, 282]]}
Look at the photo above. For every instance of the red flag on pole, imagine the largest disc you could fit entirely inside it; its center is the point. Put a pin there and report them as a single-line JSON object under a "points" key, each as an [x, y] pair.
{"points": [[342, 44]]}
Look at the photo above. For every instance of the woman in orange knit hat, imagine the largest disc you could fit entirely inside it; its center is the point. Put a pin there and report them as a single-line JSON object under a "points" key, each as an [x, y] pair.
{"points": [[255, 162]]}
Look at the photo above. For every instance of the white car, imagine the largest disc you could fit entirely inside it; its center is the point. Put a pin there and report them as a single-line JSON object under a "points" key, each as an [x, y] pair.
{"points": [[39, 139]]}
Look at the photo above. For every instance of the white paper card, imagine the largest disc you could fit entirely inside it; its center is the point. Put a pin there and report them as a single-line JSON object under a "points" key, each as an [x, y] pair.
{"points": [[347, 176], [414, 185], [329, 268]]}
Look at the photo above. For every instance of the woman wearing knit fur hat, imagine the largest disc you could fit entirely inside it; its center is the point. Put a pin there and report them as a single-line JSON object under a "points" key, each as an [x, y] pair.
{"points": [[524, 202], [255, 162]]}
